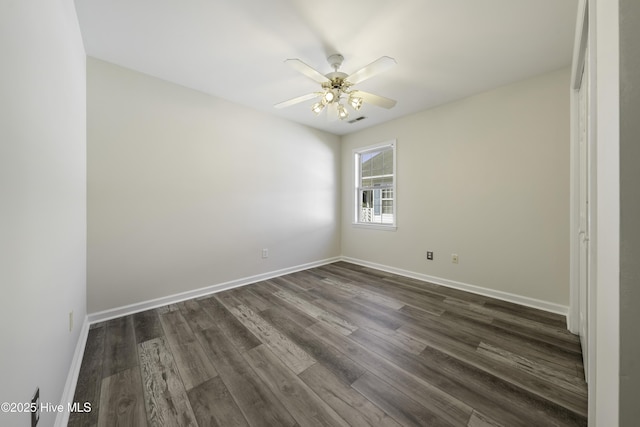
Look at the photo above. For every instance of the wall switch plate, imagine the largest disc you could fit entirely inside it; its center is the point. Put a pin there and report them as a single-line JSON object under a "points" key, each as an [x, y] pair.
{"points": [[454, 258], [35, 408], [430, 255], [265, 252]]}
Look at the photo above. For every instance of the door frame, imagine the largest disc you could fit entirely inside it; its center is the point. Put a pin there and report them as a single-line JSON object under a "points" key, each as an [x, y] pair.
{"points": [[583, 60]]}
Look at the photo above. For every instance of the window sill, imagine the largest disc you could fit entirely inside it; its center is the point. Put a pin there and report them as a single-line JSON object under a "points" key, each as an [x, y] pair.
{"points": [[383, 227]]}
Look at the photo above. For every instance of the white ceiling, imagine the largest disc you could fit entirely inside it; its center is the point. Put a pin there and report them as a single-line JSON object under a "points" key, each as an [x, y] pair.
{"points": [[445, 49]]}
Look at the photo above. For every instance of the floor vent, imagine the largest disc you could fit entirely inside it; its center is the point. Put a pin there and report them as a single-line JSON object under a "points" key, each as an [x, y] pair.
{"points": [[357, 119]]}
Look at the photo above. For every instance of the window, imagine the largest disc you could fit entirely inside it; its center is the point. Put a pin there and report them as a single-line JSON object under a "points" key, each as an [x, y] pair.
{"points": [[375, 185]]}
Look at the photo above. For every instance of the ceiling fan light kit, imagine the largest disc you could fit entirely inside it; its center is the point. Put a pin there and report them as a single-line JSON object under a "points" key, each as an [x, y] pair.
{"points": [[336, 86], [318, 107], [328, 97], [355, 102], [342, 112]]}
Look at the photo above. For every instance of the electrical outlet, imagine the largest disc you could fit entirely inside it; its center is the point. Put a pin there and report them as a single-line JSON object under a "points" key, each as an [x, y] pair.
{"points": [[430, 255], [454, 258], [35, 408], [71, 321], [265, 252]]}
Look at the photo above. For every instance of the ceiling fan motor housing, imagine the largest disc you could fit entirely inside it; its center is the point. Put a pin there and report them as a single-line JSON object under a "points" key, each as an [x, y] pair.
{"points": [[337, 80]]}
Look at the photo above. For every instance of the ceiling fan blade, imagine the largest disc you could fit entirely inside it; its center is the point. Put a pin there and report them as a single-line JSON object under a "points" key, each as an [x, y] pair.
{"points": [[370, 98], [307, 70], [376, 67], [298, 99]]}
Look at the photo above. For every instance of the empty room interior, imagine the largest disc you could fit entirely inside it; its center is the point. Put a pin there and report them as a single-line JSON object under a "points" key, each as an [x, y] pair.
{"points": [[331, 213]]}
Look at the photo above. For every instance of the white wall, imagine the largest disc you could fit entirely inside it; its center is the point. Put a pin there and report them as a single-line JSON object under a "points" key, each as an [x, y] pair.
{"points": [[185, 189], [487, 178], [42, 200]]}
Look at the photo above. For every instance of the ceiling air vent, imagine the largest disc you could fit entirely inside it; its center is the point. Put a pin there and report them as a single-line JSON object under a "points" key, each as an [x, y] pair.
{"points": [[357, 119]]}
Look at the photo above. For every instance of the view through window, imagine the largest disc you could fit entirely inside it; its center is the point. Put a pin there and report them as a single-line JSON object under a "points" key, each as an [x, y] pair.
{"points": [[375, 184]]}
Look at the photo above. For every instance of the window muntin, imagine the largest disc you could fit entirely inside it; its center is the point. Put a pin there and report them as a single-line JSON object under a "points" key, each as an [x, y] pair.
{"points": [[375, 185]]}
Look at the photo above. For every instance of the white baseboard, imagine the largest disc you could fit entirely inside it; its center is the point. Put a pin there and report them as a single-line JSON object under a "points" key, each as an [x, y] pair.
{"points": [[196, 293], [62, 419], [504, 296]]}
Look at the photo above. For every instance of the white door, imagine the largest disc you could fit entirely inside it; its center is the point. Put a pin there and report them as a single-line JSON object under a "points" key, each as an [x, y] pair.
{"points": [[583, 227]]}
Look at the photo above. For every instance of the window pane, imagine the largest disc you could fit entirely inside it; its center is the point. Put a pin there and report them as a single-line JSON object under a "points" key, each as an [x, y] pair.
{"points": [[377, 208], [388, 162], [376, 163], [366, 206], [373, 208], [375, 180], [365, 166]]}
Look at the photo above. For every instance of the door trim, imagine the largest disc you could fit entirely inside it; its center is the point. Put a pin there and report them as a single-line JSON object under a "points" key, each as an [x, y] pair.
{"points": [[583, 59]]}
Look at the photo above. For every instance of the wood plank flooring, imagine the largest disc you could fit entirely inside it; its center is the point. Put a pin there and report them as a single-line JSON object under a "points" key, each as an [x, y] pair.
{"points": [[337, 345]]}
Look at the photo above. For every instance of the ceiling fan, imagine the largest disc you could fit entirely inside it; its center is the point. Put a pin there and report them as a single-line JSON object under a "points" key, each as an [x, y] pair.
{"points": [[336, 86]]}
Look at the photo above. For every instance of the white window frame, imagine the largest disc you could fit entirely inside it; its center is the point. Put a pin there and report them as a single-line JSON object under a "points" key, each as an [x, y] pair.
{"points": [[357, 181]]}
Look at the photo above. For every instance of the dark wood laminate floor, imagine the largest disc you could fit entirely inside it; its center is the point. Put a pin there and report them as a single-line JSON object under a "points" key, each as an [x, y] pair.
{"points": [[338, 345]]}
